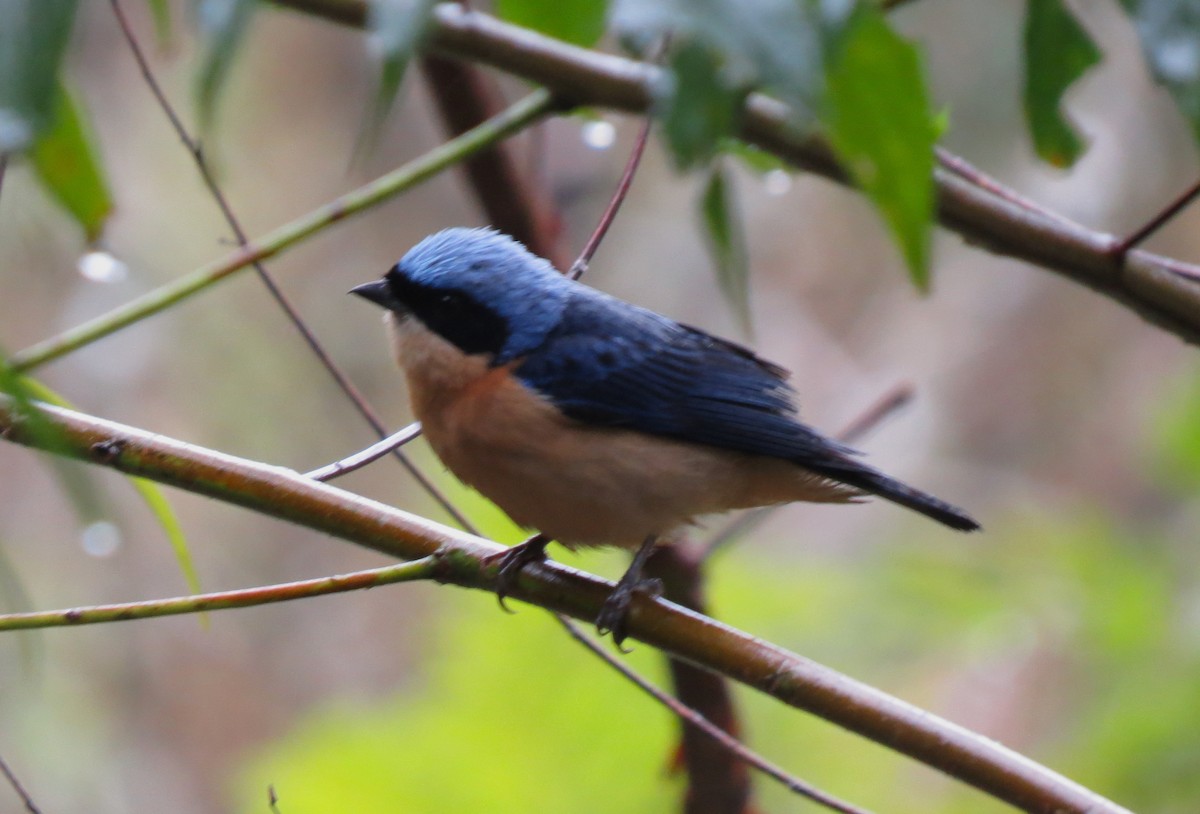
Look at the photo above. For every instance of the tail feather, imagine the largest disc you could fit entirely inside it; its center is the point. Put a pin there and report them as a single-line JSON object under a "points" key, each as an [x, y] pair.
{"points": [[870, 480]]}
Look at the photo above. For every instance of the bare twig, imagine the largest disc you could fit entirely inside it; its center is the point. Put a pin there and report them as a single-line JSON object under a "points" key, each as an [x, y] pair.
{"points": [[340, 379], [421, 569], [468, 561], [1158, 221], [26, 800], [369, 455], [711, 730], [580, 266]]}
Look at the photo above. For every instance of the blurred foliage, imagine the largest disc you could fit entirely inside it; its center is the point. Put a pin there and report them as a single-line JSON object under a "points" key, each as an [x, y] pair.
{"points": [[67, 163], [580, 22], [1169, 31], [882, 126], [479, 730], [395, 31], [223, 24], [33, 39], [1057, 52], [1098, 623], [723, 226]]}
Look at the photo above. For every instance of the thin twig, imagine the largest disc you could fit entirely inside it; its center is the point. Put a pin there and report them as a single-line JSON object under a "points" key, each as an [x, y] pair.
{"points": [[424, 568], [30, 806], [885, 407], [515, 118], [1157, 222], [340, 379], [969, 172], [369, 455], [727, 741], [580, 266]]}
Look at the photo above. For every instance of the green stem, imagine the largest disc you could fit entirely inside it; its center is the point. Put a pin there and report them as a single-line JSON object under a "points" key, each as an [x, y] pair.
{"points": [[243, 598], [513, 119]]}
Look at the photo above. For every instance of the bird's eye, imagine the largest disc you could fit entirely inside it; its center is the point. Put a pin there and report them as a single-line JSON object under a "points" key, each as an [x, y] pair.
{"points": [[451, 300]]}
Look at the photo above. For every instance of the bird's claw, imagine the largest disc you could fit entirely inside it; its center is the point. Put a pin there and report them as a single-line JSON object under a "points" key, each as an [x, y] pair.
{"points": [[614, 614], [512, 561]]}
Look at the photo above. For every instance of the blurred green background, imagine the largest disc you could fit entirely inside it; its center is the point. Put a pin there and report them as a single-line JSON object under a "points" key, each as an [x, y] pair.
{"points": [[1069, 630]]}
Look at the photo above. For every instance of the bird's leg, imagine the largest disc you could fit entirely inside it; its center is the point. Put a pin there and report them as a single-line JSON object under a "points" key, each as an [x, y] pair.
{"points": [[616, 608], [513, 559]]}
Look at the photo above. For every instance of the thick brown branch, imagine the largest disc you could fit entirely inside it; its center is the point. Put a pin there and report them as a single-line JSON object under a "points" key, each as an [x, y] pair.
{"points": [[1164, 291], [792, 679]]}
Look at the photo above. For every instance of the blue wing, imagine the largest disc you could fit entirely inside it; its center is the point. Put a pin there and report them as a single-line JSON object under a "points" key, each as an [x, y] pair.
{"points": [[613, 364]]}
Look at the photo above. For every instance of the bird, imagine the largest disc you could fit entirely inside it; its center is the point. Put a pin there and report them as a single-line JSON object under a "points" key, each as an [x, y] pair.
{"points": [[594, 421]]}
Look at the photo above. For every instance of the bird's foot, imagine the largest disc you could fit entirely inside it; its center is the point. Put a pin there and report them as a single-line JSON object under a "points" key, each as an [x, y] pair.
{"points": [[513, 560], [614, 614]]}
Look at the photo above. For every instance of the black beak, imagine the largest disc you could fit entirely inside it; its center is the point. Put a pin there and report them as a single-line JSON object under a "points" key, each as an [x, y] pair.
{"points": [[379, 293]]}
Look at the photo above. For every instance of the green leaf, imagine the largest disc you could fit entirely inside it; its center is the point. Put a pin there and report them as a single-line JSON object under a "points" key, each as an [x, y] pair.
{"points": [[723, 227], [66, 161], [1057, 52], [396, 29], [754, 159], [700, 112], [33, 38], [223, 23], [580, 22], [148, 491], [163, 512], [160, 10], [881, 125], [773, 46], [1170, 34]]}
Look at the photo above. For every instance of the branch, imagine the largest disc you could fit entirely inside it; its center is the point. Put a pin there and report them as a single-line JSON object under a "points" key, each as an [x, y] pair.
{"points": [[467, 561], [513, 119], [409, 571], [1162, 290]]}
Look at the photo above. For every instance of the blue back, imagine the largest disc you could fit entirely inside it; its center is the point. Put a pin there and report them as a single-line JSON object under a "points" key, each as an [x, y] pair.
{"points": [[611, 363]]}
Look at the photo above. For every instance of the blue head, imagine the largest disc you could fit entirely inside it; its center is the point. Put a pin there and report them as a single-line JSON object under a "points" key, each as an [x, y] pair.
{"points": [[478, 289]]}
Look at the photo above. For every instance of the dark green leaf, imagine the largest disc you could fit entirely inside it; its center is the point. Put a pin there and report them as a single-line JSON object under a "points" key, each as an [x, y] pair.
{"points": [[396, 29], [33, 37], [700, 111], [576, 21], [880, 123], [1057, 52], [1170, 35], [723, 226], [223, 23], [775, 45], [66, 161]]}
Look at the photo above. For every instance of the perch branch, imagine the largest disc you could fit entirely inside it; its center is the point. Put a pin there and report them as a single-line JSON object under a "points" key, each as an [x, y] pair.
{"points": [[467, 561]]}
